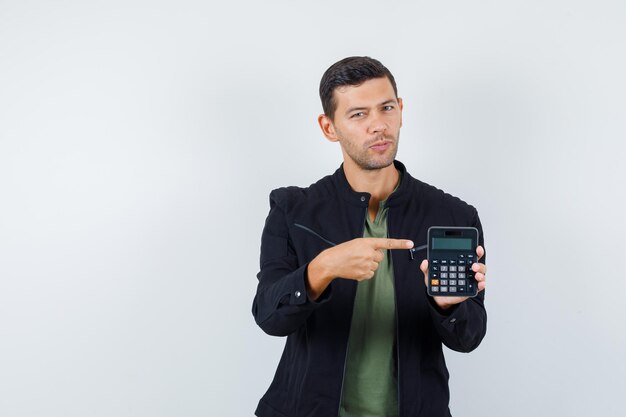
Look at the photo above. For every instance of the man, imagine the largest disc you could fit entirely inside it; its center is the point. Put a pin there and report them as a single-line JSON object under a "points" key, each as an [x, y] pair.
{"points": [[337, 278]]}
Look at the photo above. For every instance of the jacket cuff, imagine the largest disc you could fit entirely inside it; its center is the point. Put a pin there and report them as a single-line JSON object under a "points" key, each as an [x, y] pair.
{"points": [[447, 318], [298, 294]]}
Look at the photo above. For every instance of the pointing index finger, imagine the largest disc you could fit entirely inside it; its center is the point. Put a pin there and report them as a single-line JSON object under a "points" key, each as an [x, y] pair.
{"points": [[387, 243]]}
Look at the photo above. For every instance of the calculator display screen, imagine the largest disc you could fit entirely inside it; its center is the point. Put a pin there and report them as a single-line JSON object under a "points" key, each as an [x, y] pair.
{"points": [[451, 243]]}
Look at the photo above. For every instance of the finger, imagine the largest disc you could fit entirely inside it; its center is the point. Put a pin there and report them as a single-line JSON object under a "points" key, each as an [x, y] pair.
{"points": [[369, 275], [480, 252], [386, 243], [378, 255], [481, 286], [479, 277], [478, 267], [373, 266]]}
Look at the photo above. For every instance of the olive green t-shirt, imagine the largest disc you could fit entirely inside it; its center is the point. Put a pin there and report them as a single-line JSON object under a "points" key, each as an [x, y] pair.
{"points": [[370, 380]]}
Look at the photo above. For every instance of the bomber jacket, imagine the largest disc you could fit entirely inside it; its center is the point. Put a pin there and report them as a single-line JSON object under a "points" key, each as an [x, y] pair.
{"points": [[303, 222]]}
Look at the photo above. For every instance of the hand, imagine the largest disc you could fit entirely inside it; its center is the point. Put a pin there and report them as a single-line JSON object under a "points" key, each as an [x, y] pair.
{"points": [[356, 259], [479, 269]]}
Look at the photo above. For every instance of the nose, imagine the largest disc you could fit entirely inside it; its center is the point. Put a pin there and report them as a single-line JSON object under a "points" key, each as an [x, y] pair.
{"points": [[377, 123]]}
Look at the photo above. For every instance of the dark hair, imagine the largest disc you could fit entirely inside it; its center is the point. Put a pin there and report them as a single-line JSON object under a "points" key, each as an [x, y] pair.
{"points": [[354, 71]]}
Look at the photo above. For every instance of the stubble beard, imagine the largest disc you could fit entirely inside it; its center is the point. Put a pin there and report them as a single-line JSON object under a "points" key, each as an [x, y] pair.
{"points": [[366, 159]]}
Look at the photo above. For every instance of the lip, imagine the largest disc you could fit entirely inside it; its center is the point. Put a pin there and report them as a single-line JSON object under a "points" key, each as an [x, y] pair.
{"points": [[381, 146]]}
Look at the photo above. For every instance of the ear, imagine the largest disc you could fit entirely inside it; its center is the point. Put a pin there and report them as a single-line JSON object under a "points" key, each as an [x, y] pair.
{"points": [[400, 106], [328, 129]]}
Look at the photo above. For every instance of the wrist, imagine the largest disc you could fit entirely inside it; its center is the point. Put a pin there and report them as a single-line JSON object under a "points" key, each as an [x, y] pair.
{"points": [[318, 276], [445, 306], [442, 303]]}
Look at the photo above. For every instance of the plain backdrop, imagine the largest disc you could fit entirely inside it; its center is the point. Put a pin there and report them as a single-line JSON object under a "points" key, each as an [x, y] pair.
{"points": [[139, 141]]}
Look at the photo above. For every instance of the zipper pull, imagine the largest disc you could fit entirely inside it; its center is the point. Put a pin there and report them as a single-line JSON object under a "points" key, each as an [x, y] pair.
{"points": [[415, 249]]}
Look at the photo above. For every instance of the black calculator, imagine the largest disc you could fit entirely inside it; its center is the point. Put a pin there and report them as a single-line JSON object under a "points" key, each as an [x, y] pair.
{"points": [[451, 253]]}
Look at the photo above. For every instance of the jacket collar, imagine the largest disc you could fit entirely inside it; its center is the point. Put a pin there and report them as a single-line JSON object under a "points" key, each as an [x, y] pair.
{"points": [[399, 196]]}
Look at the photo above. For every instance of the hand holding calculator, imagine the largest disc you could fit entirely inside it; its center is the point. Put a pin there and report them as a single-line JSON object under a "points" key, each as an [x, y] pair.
{"points": [[451, 253]]}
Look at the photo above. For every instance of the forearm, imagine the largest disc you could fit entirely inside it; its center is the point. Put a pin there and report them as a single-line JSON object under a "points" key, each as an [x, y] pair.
{"points": [[461, 327], [318, 277], [281, 307]]}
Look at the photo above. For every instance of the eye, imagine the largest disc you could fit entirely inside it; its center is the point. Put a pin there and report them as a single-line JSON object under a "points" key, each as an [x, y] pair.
{"points": [[357, 115], [388, 107]]}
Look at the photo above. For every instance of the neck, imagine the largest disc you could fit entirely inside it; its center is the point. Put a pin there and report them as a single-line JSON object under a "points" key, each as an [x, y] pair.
{"points": [[380, 183]]}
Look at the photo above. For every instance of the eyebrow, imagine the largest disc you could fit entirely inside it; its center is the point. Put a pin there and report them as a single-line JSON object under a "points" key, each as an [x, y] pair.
{"points": [[351, 109]]}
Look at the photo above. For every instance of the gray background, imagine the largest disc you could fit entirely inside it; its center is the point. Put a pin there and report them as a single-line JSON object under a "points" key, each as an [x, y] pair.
{"points": [[139, 141]]}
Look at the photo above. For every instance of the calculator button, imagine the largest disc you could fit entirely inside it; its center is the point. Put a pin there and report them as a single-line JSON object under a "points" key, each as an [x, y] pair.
{"points": [[444, 268], [453, 275], [444, 282], [452, 268], [452, 289], [444, 262], [462, 263], [434, 275], [435, 261], [462, 275], [444, 289], [461, 256], [444, 275], [461, 282], [434, 268], [453, 282], [434, 282], [452, 262], [434, 289], [470, 257]]}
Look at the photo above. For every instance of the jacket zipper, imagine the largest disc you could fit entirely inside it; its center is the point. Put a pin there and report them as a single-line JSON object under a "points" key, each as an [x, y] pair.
{"points": [[345, 357], [395, 294]]}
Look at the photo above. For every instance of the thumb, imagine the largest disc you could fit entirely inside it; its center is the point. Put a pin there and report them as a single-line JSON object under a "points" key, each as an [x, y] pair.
{"points": [[424, 268]]}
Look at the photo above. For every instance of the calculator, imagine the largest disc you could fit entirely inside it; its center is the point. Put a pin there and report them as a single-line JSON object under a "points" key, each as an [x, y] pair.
{"points": [[451, 252]]}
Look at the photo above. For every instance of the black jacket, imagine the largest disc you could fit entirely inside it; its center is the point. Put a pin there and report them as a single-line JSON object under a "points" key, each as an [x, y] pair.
{"points": [[301, 223]]}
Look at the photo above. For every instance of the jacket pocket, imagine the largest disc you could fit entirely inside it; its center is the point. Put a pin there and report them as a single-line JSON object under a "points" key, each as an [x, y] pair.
{"points": [[314, 233]]}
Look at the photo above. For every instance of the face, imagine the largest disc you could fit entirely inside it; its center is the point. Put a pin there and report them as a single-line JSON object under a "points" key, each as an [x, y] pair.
{"points": [[367, 123]]}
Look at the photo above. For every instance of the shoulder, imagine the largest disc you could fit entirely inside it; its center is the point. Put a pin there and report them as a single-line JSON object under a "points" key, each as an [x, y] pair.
{"points": [[438, 200], [287, 198]]}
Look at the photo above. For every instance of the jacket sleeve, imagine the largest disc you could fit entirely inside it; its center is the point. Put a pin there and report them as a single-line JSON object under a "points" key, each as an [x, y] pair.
{"points": [[464, 326], [281, 303]]}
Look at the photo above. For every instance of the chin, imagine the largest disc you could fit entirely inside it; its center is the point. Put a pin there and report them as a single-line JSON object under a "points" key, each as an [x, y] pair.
{"points": [[373, 165]]}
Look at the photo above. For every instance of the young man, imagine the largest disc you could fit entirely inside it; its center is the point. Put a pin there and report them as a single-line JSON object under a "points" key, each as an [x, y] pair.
{"points": [[337, 278]]}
